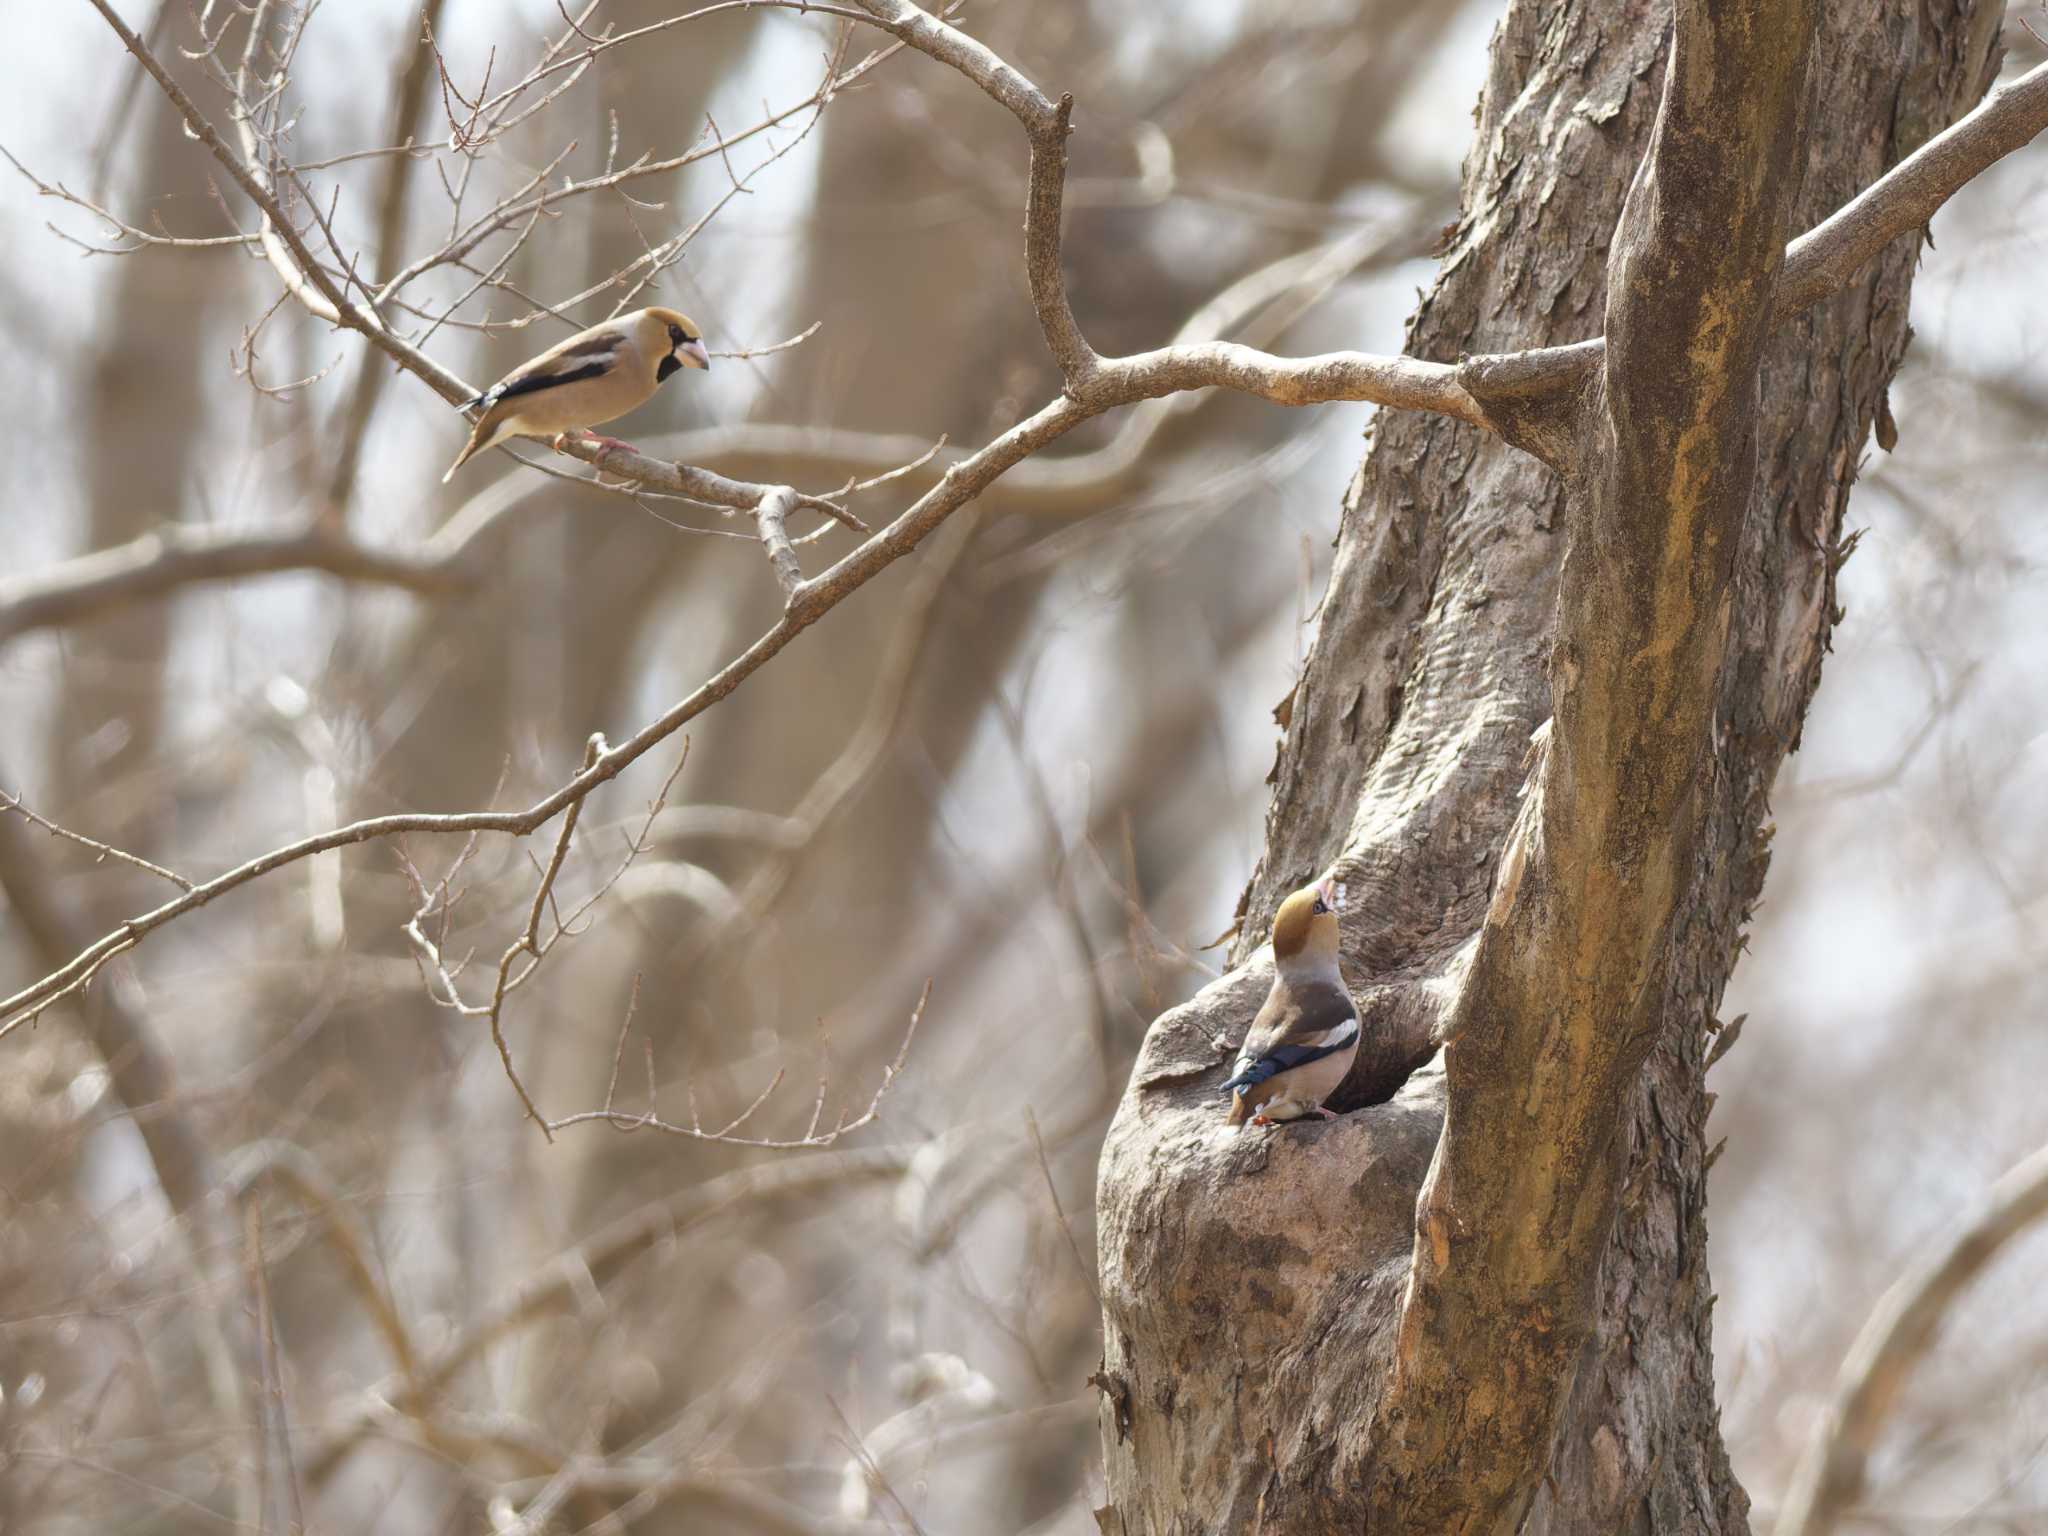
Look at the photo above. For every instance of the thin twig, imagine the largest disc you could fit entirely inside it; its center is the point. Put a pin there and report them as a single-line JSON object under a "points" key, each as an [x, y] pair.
{"points": [[728, 1135], [103, 850], [1052, 1188], [600, 1260], [1904, 199]]}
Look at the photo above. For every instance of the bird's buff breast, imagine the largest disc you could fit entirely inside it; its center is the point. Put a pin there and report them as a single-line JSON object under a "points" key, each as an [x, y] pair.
{"points": [[1306, 1086]]}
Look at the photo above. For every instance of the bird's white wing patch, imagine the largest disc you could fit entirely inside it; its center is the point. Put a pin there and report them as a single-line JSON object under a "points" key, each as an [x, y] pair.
{"points": [[1341, 1033]]}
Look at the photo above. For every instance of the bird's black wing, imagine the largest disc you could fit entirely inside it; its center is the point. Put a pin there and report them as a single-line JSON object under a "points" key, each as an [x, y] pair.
{"points": [[539, 381], [1295, 1028], [575, 359], [1285, 1058]]}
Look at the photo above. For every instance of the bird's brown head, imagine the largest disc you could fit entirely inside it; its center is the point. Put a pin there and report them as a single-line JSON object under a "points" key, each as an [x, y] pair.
{"points": [[685, 343], [1305, 927]]}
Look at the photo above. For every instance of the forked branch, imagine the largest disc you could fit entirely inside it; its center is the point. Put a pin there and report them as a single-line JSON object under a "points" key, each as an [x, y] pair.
{"points": [[1519, 396]]}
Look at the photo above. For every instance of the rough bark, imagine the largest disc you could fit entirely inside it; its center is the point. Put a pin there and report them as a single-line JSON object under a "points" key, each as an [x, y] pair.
{"points": [[1290, 1338]]}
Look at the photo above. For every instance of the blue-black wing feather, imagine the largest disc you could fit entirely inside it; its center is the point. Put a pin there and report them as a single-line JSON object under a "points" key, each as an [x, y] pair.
{"points": [[1282, 1058], [1292, 1030], [535, 382], [547, 370]]}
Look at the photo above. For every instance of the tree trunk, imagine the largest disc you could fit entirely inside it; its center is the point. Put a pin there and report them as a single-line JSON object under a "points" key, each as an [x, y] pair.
{"points": [[1480, 1302]]}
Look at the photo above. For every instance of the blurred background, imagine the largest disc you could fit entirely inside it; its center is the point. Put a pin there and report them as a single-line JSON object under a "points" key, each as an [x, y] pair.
{"points": [[1025, 766]]}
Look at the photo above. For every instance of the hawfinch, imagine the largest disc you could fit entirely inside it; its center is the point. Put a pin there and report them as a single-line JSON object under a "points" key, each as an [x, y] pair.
{"points": [[1306, 1036], [594, 376]]}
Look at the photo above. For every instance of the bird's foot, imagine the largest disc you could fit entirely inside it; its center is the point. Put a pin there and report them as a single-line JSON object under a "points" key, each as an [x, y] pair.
{"points": [[1319, 1113], [606, 446]]}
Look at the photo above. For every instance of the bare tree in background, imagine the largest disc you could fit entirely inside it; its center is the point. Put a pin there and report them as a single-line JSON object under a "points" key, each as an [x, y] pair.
{"points": [[1581, 589]]}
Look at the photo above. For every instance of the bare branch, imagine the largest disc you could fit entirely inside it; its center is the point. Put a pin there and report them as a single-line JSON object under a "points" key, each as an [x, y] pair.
{"points": [[1402, 382], [1103, 384], [437, 906], [103, 850], [178, 555], [599, 1260], [728, 1134], [1483, 391], [1042, 237], [1824, 260], [537, 197], [1901, 1330], [598, 45], [771, 515], [297, 1171], [802, 336], [141, 238], [288, 254], [1827, 257], [928, 34]]}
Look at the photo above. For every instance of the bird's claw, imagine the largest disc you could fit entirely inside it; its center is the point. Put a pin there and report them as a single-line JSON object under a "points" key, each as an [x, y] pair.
{"points": [[1319, 1112], [606, 446]]}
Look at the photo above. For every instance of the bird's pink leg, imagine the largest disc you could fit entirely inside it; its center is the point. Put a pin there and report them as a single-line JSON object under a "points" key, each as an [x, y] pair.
{"points": [[605, 445], [1319, 1112]]}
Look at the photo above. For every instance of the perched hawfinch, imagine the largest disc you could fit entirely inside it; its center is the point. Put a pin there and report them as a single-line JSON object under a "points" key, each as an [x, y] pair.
{"points": [[594, 376], [1306, 1037]]}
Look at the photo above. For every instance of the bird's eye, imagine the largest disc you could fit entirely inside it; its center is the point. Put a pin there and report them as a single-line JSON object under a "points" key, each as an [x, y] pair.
{"points": [[675, 335], [1321, 905]]}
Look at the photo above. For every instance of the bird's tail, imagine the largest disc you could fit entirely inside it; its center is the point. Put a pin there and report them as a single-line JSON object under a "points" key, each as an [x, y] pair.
{"points": [[479, 439], [1237, 1108], [483, 435]]}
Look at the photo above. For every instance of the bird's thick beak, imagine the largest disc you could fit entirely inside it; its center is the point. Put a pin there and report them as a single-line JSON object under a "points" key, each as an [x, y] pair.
{"points": [[693, 355], [1332, 893]]}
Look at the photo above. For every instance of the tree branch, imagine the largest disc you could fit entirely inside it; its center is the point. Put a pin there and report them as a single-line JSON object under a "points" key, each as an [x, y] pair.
{"points": [[1824, 260], [598, 1261], [140, 1071], [288, 254], [1478, 391], [177, 556], [391, 225], [310, 282], [811, 600], [1897, 1337]]}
